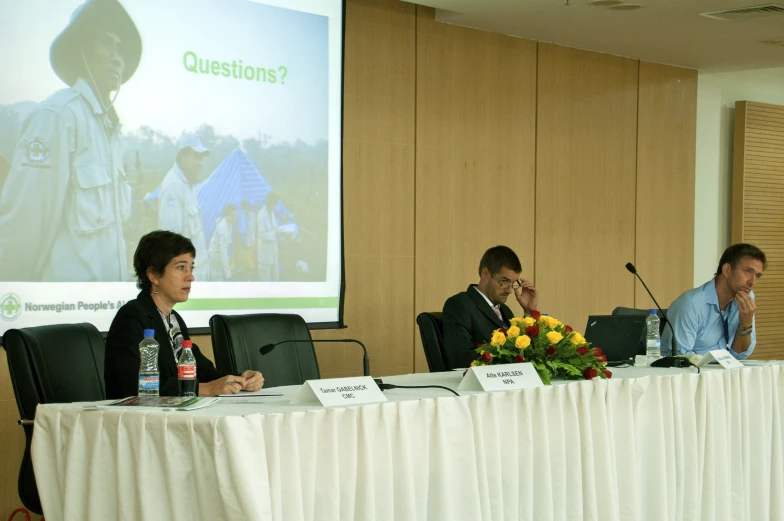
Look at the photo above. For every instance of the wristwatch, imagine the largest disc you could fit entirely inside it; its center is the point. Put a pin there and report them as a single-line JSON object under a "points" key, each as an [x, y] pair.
{"points": [[745, 329]]}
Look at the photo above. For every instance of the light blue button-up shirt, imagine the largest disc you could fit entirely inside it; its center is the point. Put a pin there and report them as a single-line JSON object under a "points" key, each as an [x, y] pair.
{"points": [[698, 323], [66, 197]]}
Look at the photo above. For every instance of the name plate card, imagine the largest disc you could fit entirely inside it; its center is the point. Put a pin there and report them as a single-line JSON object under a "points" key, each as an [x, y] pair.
{"points": [[507, 377], [340, 392], [722, 356]]}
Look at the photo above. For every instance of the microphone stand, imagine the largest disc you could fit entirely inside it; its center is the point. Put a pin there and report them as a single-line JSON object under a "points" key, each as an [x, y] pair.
{"points": [[666, 361], [266, 349]]}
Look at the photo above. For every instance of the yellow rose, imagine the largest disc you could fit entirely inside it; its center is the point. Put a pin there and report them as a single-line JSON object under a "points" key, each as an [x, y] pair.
{"points": [[498, 338], [577, 338], [549, 321], [473, 363], [554, 337], [522, 342], [516, 321], [513, 332], [528, 321]]}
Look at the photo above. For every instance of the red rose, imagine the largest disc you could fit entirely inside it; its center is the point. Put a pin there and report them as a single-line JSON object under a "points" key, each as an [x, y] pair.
{"points": [[602, 358], [568, 329], [479, 345], [551, 351], [519, 359], [589, 373], [532, 331], [503, 330], [487, 356], [582, 350], [607, 374], [535, 314], [597, 351]]}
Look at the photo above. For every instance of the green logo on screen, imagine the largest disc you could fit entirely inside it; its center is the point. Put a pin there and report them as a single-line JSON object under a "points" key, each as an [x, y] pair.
{"points": [[10, 307]]}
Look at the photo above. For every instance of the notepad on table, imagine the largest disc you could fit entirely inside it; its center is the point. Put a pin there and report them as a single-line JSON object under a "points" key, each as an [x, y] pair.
{"points": [[245, 394]]}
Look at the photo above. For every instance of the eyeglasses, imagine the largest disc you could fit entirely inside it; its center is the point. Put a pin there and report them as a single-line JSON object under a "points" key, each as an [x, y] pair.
{"points": [[506, 284]]}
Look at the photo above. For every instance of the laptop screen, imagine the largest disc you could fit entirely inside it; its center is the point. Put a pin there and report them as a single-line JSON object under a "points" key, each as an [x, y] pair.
{"points": [[620, 337]]}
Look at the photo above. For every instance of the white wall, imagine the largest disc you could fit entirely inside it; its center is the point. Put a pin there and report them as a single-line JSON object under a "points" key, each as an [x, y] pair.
{"points": [[716, 97]]}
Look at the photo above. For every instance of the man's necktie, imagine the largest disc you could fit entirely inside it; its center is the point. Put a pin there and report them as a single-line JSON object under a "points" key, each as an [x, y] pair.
{"points": [[498, 313]]}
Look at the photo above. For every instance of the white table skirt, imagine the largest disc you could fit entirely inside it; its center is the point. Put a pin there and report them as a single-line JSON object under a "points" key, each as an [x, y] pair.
{"points": [[674, 446]]}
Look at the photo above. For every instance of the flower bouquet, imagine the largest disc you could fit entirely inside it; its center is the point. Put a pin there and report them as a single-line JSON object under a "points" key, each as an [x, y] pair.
{"points": [[554, 349]]}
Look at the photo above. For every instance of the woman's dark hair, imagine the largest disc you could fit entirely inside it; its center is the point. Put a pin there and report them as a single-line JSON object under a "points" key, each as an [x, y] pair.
{"points": [[156, 250], [735, 253]]}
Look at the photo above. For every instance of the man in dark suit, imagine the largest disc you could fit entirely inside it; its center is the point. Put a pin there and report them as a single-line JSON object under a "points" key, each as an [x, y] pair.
{"points": [[471, 317]]}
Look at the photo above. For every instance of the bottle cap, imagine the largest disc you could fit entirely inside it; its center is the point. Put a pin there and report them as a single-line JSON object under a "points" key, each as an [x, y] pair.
{"points": [[187, 344], [149, 332], [653, 312]]}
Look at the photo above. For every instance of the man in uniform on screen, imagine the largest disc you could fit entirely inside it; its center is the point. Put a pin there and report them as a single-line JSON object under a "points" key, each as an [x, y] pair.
{"points": [[267, 233], [66, 196], [178, 208]]}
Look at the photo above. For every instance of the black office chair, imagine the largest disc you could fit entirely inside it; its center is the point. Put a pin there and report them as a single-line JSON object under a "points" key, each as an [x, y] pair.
{"points": [[236, 340], [620, 310], [51, 364], [431, 329]]}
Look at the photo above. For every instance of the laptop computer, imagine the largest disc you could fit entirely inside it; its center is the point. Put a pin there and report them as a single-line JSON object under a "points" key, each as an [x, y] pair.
{"points": [[620, 337]]}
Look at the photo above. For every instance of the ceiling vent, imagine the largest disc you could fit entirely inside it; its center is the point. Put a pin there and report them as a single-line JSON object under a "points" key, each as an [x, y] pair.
{"points": [[746, 13]]}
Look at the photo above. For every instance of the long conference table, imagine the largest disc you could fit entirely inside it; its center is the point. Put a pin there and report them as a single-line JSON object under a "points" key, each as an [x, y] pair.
{"points": [[649, 444]]}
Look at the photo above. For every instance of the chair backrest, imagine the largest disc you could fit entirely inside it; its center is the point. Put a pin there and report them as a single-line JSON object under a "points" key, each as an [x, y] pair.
{"points": [[236, 340], [620, 310], [51, 364], [431, 328]]}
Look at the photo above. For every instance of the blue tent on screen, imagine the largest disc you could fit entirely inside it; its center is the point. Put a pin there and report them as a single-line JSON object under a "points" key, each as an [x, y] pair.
{"points": [[235, 180]]}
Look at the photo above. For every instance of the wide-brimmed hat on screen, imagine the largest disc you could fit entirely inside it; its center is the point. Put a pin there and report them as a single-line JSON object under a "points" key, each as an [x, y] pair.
{"points": [[95, 17]]}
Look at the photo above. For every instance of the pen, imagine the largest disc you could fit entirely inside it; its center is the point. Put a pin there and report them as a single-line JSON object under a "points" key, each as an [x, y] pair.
{"points": [[238, 383]]}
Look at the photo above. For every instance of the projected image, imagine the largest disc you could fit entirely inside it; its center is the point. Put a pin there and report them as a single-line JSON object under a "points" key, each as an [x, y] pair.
{"points": [[207, 118]]}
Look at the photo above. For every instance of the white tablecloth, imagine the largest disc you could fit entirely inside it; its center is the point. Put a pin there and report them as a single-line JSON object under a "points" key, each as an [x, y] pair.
{"points": [[672, 446]]}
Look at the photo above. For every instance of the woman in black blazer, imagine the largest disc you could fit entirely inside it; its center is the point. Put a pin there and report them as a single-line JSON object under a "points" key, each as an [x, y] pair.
{"points": [[164, 269]]}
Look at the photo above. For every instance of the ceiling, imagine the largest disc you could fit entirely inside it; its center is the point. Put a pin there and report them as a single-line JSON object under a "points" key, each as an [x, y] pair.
{"points": [[662, 31]]}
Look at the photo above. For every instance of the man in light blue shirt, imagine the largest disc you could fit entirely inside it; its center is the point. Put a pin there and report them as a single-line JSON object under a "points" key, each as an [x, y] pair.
{"points": [[720, 313]]}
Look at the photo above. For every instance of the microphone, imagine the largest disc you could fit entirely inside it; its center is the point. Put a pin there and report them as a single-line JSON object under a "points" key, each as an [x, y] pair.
{"points": [[266, 349], [667, 361]]}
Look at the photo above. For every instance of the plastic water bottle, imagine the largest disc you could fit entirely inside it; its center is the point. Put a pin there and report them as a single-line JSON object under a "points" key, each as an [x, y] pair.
{"points": [[652, 338], [149, 376], [186, 370]]}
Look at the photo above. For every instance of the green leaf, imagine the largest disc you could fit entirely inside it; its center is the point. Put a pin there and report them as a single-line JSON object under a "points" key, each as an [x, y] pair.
{"points": [[544, 373]]}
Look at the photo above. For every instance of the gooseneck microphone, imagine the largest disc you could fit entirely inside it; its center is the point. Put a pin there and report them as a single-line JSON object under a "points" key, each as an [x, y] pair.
{"points": [[267, 348], [667, 361]]}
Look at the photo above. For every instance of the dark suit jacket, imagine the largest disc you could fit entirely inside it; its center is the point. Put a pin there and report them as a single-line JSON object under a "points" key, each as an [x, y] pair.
{"points": [[469, 320], [121, 368]]}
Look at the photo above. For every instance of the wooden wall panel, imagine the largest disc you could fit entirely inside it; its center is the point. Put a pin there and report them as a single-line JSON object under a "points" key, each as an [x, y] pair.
{"points": [[757, 211], [585, 181], [13, 444], [475, 149], [666, 146], [378, 190]]}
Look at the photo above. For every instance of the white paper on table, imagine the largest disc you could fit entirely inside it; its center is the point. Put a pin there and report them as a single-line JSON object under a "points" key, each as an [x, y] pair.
{"points": [[245, 394], [722, 356]]}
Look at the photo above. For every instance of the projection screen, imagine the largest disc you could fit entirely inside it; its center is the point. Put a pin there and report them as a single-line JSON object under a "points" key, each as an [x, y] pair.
{"points": [[221, 120]]}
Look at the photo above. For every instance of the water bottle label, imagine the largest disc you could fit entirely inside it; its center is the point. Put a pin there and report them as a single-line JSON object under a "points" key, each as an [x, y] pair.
{"points": [[186, 372], [654, 344], [149, 382]]}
